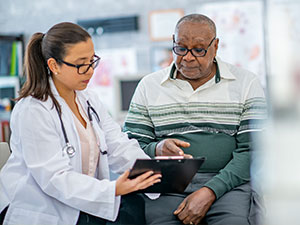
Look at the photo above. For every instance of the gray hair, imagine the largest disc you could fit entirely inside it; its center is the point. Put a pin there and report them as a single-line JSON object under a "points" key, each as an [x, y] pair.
{"points": [[197, 18]]}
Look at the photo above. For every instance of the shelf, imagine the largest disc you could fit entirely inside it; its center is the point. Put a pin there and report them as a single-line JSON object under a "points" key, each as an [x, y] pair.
{"points": [[4, 116], [8, 82]]}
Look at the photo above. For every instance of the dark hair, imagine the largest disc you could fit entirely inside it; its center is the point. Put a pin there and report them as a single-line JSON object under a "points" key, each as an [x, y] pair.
{"points": [[41, 47], [197, 18]]}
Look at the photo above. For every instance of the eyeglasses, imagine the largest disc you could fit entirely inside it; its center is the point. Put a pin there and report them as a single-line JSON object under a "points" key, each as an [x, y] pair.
{"points": [[197, 52], [83, 68]]}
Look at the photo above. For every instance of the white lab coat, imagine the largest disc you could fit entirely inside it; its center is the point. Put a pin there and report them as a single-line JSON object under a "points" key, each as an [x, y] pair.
{"points": [[40, 185]]}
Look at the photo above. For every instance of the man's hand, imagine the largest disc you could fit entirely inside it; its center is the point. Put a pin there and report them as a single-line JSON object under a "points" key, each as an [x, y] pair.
{"points": [[171, 147], [195, 206]]}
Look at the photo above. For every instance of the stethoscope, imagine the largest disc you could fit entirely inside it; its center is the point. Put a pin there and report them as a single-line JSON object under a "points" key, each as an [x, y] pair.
{"points": [[68, 148]]}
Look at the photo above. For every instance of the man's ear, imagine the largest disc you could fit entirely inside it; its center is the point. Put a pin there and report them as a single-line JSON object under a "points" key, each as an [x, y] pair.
{"points": [[216, 44], [53, 66]]}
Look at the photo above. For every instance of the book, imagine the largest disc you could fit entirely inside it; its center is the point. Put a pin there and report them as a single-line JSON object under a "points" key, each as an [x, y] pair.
{"points": [[5, 131], [13, 61], [5, 57]]}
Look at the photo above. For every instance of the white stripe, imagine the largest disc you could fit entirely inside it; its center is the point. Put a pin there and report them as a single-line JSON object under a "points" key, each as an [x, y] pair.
{"points": [[185, 132], [252, 130], [142, 135]]}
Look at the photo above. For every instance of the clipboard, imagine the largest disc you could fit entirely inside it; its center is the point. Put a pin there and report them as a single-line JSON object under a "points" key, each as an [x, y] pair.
{"points": [[176, 173]]}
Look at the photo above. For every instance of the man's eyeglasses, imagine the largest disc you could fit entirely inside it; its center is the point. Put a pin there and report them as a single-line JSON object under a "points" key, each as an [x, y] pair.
{"points": [[83, 68], [197, 52]]}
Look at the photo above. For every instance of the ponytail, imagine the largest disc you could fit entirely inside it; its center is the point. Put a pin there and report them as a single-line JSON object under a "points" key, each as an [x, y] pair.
{"points": [[35, 69]]}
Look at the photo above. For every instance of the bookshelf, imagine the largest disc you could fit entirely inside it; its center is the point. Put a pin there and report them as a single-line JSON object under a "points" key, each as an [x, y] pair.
{"points": [[11, 69]]}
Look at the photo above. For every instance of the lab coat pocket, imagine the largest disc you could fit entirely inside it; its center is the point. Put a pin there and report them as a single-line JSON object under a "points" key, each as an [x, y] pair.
{"points": [[17, 216], [103, 172]]}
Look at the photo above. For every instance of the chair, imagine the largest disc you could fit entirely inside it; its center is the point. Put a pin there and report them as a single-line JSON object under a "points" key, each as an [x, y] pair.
{"points": [[4, 153]]}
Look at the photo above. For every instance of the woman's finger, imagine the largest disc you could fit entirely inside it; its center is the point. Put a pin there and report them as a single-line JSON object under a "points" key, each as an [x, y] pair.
{"points": [[149, 182], [144, 176], [124, 175]]}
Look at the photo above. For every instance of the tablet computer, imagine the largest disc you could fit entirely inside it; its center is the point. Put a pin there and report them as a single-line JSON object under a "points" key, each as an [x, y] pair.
{"points": [[177, 172]]}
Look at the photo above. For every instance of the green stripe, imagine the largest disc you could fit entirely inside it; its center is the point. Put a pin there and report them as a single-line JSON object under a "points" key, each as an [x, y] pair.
{"points": [[138, 126], [164, 121], [131, 128], [138, 106], [198, 125], [194, 112], [172, 106], [144, 114]]}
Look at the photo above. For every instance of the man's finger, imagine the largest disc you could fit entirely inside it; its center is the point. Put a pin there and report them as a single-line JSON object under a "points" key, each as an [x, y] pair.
{"points": [[188, 156], [176, 150], [180, 143], [180, 208]]}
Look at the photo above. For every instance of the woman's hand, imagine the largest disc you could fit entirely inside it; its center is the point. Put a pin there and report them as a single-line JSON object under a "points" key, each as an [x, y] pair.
{"points": [[124, 185]]}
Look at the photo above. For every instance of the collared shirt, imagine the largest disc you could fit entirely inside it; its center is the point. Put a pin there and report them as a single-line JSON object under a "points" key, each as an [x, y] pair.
{"points": [[89, 148], [217, 119]]}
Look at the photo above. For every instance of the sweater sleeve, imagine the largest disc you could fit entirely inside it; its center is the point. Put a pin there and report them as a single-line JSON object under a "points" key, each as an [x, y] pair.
{"points": [[138, 123], [237, 171]]}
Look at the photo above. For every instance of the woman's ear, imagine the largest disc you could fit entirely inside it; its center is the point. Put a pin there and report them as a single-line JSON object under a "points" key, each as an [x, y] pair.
{"points": [[53, 66]]}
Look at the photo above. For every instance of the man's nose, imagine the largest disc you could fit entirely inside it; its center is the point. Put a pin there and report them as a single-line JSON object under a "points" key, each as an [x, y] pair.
{"points": [[189, 56]]}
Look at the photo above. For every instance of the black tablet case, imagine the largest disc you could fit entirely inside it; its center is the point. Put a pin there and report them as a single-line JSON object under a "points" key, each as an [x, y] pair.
{"points": [[176, 173]]}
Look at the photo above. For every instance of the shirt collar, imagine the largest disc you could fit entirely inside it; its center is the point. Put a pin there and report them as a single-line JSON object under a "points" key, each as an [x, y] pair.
{"points": [[170, 73], [222, 72]]}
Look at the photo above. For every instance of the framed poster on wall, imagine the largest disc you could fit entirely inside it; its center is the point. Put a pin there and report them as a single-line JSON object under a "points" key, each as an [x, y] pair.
{"points": [[240, 29], [162, 23], [114, 62]]}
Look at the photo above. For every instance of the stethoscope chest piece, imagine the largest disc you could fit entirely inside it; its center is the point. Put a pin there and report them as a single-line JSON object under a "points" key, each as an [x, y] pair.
{"points": [[69, 150]]}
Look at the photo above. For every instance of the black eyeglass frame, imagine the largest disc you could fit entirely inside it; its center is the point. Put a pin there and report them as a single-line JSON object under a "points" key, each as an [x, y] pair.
{"points": [[191, 49], [95, 63]]}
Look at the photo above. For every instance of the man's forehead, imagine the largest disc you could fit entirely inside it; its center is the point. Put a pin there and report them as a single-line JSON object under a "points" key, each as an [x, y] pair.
{"points": [[198, 24], [200, 33], [193, 27], [184, 37]]}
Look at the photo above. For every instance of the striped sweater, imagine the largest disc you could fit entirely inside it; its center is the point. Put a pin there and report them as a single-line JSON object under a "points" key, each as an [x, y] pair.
{"points": [[217, 119]]}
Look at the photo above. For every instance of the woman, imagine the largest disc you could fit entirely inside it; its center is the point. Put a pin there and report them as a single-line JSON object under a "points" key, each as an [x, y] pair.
{"points": [[63, 142]]}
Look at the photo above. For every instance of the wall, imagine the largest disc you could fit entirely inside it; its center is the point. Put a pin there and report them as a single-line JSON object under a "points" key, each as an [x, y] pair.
{"points": [[30, 16], [39, 15]]}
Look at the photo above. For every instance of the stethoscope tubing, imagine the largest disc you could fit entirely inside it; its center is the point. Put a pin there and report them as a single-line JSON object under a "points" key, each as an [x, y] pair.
{"points": [[68, 148]]}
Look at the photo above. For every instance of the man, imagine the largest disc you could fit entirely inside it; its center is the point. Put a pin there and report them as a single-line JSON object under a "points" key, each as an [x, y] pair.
{"points": [[200, 106]]}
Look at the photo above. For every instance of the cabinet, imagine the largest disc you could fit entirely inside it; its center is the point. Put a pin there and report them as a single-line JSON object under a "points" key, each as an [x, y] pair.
{"points": [[11, 67]]}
